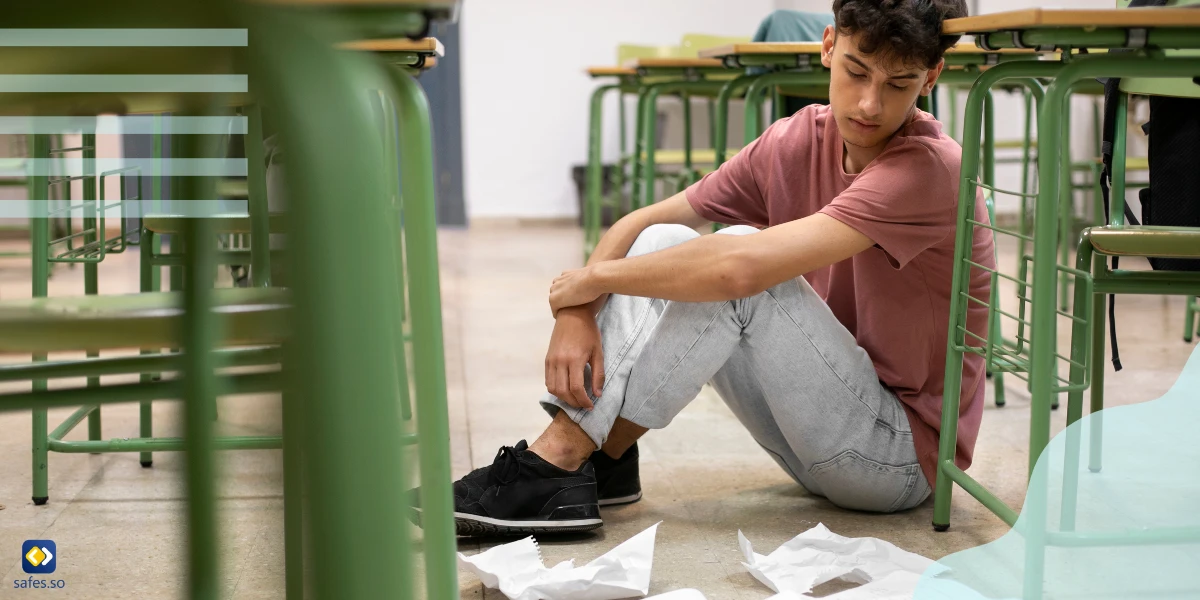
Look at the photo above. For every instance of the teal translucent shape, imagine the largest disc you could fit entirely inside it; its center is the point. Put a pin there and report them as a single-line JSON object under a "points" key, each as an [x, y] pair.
{"points": [[1136, 531]]}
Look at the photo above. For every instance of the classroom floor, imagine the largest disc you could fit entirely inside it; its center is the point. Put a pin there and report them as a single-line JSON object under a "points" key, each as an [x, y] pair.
{"points": [[118, 527]]}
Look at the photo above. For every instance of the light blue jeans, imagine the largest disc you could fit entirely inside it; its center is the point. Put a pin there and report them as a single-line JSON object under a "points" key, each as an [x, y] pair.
{"points": [[786, 367]]}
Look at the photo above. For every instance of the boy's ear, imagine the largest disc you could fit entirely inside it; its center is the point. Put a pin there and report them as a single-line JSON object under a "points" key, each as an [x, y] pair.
{"points": [[931, 78], [827, 41]]}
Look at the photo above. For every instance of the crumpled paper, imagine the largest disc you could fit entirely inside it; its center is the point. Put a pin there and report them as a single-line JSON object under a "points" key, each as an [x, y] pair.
{"points": [[684, 594], [819, 555], [517, 570]]}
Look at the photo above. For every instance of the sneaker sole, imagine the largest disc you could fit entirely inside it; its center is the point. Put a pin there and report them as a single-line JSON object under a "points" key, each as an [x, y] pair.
{"points": [[468, 525], [621, 500]]}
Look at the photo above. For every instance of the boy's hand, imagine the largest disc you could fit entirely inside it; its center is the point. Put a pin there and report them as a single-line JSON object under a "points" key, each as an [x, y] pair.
{"points": [[574, 343], [572, 288]]}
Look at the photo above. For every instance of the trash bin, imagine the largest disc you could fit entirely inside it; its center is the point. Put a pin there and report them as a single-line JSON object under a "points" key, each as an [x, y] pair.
{"points": [[608, 214]]}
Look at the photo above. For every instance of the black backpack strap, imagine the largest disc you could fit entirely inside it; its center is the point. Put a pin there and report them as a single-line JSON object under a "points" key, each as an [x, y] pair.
{"points": [[1111, 93]]}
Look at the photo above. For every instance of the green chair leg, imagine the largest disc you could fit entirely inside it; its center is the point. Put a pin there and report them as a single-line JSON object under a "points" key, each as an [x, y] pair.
{"points": [[91, 275], [595, 168], [1189, 319], [433, 421], [39, 233], [148, 242], [256, 180], [293, 498]]}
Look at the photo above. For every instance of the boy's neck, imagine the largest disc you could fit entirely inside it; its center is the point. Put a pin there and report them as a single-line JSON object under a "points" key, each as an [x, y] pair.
{"points": [[856, 158]]}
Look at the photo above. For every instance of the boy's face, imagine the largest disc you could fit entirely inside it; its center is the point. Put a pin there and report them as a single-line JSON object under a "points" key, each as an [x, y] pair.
{"points": [[870, 98]]}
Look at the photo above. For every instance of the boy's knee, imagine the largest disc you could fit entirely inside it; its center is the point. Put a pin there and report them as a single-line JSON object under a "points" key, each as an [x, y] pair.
{"points": [[737, 230], [660, 236]]}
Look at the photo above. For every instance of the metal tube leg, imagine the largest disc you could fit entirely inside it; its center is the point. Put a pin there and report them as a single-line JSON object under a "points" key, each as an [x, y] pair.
{"points": [[200, 334], [721, 130], [91, 281], [594, 188], [989, 140], [649, 143], [355, 462], [1066, 197], [948, 438], [755, 97], [639, 147], [1042, 350], [1079, 351], [1189, 319], [293, 498], [430, 369], [39, 234], [1096, 422], [260, 216], [686, 99], [1026, 144]]}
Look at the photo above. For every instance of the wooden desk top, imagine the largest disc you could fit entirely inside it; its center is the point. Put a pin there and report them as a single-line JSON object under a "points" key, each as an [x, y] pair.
{"points": [[972, 49], [611, 72], [428, 45], [673, 63], [1131, 18], [797, 48], [759, 48]]}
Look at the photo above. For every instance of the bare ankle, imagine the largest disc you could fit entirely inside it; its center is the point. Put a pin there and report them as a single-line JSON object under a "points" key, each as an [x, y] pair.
{"points": [[564, 444]]}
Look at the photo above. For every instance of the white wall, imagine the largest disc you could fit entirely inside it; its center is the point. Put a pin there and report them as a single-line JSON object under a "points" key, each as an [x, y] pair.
{"points": [[525, 93]]}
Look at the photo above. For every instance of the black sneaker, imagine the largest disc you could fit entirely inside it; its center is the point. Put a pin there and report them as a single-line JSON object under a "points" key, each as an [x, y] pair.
{"points": [[617, 479], [521, 494]]}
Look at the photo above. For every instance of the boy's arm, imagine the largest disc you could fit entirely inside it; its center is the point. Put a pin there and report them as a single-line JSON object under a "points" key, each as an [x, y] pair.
{"points": [[717, 267], [576, 338], [615, 244]]}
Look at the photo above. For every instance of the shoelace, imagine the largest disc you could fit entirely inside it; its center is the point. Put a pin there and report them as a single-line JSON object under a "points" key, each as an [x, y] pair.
{"points": [[505, 467]]}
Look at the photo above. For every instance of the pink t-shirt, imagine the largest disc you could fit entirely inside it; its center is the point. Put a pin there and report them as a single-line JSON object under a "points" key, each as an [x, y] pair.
{"points": [[894, 297]]}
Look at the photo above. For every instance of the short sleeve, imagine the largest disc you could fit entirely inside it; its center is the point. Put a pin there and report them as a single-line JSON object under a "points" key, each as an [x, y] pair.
{"points": [[905, 201], [732, 194]]}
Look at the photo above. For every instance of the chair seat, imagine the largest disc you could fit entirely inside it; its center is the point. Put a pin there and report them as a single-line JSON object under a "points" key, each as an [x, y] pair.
{"points": [[236, 223], [700, 156], [1015, 144], [233, 189], [1149, 241], [251, 316]]}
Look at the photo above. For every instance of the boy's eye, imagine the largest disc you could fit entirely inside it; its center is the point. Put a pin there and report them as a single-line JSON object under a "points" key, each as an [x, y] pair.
{"points": [[856, 75], [898, 87]]}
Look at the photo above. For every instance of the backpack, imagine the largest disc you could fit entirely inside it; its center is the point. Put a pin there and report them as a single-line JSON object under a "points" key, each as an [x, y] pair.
{"points": [[1173, 198]]}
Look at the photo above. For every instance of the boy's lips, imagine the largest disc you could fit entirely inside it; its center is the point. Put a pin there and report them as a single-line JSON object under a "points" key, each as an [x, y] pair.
{"points": [[864, 125]]}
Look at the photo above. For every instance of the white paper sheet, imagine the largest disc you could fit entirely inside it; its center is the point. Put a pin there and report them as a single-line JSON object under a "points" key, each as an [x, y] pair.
{"points": [[684, 594], [819, 555], [516, 569]]}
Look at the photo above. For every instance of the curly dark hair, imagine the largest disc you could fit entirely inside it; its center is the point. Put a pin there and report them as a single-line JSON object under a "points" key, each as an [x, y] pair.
{"points": [[909, 31]]}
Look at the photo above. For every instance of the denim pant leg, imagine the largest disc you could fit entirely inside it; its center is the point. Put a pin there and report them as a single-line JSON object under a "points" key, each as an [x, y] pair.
{"points": [[626, 323], [799, 382]]}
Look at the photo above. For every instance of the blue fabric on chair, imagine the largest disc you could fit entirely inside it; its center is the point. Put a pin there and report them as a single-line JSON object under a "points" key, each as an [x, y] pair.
{"points": [[792, 26]]}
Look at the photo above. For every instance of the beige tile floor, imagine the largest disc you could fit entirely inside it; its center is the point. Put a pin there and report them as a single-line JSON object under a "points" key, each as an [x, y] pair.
{"points": [[118, 527]]}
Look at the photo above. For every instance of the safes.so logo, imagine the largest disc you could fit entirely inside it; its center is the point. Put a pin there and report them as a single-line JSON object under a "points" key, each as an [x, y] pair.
{"points": [[39, 556]]}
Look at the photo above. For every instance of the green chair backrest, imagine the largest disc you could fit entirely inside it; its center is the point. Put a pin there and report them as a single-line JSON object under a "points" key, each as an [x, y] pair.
{"points": [[626, 52], [1180, 88], [695, 42]]}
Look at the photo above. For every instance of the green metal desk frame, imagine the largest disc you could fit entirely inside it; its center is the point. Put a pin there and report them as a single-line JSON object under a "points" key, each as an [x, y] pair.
{"points": [[356, 454], [1035, 353]]}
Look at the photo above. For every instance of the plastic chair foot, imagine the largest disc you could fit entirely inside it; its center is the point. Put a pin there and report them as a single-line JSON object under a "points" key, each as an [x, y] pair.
{"points": [[941, 528], [41, 500], [1094, 469], [146, 464]]}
